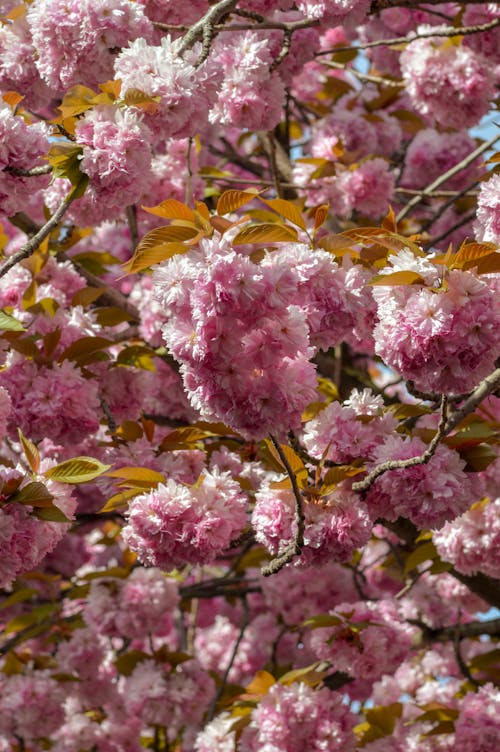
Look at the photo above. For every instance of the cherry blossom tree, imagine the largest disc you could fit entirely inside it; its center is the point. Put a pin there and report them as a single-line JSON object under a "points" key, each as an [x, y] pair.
{"points": [[250, 383]]}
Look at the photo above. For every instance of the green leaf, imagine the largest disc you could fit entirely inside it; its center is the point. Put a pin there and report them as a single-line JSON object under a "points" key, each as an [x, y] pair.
{"points": [[33, 494], [126, 662], [76, 470], [426, 552], [120, 500], [19, 596], [50, 514], [9, 324], [30, 451], [84, 346]]}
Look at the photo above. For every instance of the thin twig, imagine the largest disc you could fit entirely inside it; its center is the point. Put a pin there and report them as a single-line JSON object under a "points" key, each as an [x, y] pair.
{"points": [[244, 624], [364, 77], [131, 213], [461, 222], [204, 28], [441, 210], [438, 31], [34, 242], [295, 547], [422, 459], [33, 173], [446, 176]]}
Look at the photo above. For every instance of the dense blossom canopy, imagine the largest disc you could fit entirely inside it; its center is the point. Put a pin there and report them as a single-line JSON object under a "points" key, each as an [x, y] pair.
{"points": [[249, 376]]}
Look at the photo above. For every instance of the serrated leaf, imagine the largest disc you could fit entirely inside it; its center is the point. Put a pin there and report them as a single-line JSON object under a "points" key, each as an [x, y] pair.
{"points": [[86, 296], [30, 451], [112, 316], [183, 438], [77, 470], [50, 513], [426, 552], [138, 356], [34, 617], [151, 256], [266, 233], [65, 159], [398, 278], [141, 100], [120, 500], [286, 209], [323, 620], [307, 675], [9, 324], [296, 464], [171, 209], [234, 199], [77, 100], [84, 346], [260, 684], [380, 722], [33, 494], [127, 662], [320, 216], [19, 596], [142, 474]]}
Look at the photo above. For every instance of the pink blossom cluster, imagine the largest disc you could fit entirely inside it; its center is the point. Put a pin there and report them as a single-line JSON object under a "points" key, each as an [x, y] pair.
{"points": [[76, 42], [176, 698], [377, 646], [472, 542], [250, 96], [295, 717], [335, 525], [22, 146], [445, 340], [116, 155], [176, 524], [447, 82], [431, 154], [238, 342], [427, 494], [142, 604], [343, 433], [487, 224], [30, 705], [57, 403], [477, 726], [185, 92]]}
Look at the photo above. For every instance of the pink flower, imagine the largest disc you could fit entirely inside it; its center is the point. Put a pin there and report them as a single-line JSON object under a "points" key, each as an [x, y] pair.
{"points": [[427, 494], [472, 542], [295, 717], [449, 83], [21, 146], [477, 725], [177, 524], [185, 92], [487, 225], [116, 156], [369, 651], [142, 604], [445, 341], [335, 525], [30, 705], [76, 40]]}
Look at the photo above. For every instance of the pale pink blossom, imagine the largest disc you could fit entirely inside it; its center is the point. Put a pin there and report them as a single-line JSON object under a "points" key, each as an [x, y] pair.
{"points": [[296, 717], [487, 225], [177, 524]]}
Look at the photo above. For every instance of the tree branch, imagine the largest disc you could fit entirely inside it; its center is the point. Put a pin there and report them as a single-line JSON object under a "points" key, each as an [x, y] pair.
{"points": [[295, 547], [422, 459], [31, 245], [446, 176], [438, 31]]}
